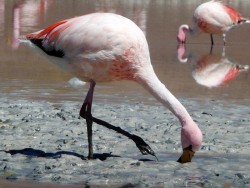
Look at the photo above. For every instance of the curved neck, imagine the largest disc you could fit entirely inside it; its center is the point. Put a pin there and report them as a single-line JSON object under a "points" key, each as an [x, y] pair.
{"points": [[184, 28], [151, 83], [181, 37]]}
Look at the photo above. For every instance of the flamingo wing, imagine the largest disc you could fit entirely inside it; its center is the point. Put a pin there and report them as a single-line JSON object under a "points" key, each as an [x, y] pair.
{"points": [[102, 45], [88, 37], [234, 15], [39, 37]]}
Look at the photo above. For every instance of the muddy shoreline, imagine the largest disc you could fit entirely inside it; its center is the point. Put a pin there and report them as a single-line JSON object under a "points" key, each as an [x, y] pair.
{"points": [[44, 142]]}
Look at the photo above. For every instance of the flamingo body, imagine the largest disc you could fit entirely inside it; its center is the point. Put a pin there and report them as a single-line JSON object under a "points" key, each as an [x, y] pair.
{"points": [[103, 47], [213, 17], [99, 50]]}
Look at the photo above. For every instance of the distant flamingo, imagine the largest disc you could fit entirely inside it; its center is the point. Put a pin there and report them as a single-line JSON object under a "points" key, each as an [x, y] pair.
{"points": [[212, 17], [103, 47]]}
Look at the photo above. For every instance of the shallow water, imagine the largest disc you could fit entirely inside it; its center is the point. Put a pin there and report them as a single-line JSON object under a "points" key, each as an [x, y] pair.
{"points": [[26, 75]]}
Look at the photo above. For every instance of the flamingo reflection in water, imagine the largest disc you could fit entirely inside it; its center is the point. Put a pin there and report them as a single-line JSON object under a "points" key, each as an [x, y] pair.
{"points": [[212, 70], [103, 47], [26, 14]]}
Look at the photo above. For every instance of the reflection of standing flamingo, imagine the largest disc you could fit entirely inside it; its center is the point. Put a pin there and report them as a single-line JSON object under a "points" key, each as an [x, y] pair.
{"points": [[26, 14], [136, 10], [214, 70], [213, 17], [2, 12], [181, 53], [103, 47]]}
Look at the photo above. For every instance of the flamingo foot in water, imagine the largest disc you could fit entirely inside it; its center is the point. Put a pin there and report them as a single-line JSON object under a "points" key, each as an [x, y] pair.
{"points": [[187, 155], [85, 113], [144, 148]]}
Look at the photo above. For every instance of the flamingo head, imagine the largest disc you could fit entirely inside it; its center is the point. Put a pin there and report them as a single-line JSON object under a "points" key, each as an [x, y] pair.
{"points": [[191, 139], [243, 20], [183, 29]]}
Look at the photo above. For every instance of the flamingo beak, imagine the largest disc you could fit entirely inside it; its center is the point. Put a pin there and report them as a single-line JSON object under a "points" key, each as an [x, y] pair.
{"points": [[191, 31], [244, 21], [187, 155]]}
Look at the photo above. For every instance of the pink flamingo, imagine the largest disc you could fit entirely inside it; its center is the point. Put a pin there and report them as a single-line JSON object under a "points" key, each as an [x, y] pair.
{"points": [[212, 17], [103, 47]]}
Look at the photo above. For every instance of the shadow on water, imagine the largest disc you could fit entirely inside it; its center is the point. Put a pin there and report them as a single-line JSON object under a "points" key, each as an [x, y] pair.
{"points": [[30, 152]]}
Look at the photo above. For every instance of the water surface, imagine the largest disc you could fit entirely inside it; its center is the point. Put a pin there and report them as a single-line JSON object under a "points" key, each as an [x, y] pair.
{"points": [[24, 74]]}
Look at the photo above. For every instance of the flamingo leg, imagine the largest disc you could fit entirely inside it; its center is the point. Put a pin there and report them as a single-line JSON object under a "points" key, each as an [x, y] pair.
{"points": [[85, 112], [224, 38], [144, 148], [212, 39]]}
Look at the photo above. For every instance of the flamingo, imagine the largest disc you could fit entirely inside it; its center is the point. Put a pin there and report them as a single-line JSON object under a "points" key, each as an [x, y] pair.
{"points": [[104, 47], [213, 17]]}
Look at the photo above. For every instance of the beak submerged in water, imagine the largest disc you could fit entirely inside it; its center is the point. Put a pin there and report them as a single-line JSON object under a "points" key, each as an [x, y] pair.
{"points": [[187, 155]]}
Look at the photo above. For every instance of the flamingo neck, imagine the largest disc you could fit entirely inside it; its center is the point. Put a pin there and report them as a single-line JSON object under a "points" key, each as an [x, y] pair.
{"points": [[183, 29], [151, 83]]}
